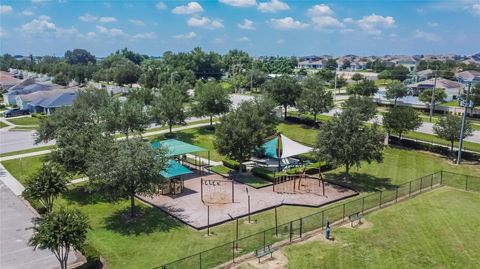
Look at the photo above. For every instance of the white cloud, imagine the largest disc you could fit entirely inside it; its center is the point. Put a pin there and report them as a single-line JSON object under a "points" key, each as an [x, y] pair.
{"points": [[243, 39], [39, 25], [3, 33], [88, 35], [107, 19], [87, 17], [326, 23], [273, 6], [430, 37], [190, 8], [114, 32], [39, 1], [346, 30], [281, 41], [27, 13], [149, 35], [204, 22], [475, 9], [161, 6], [287, 23], [318, 10], [108, 5], [137, 22], [4, 9], [218, 40], [239, 3], [433, 24], [373, 23], [246, 25], [348, 20], [186, 36], [393, 35]]}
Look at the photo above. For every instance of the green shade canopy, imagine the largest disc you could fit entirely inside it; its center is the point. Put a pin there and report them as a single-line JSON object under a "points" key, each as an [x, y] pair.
{"points": [[175, 169], [175, 147]]}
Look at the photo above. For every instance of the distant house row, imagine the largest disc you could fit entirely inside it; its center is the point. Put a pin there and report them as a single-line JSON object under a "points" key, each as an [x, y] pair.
{"points": [[34, 96]]}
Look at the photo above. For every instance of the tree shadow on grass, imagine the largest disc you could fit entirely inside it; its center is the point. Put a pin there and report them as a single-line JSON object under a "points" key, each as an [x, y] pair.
{"points": [[81, 195], [362, 182], [148, 220]]}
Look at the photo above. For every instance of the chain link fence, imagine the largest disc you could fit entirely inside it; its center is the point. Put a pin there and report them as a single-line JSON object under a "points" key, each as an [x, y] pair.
{"points": [[297, 228]]}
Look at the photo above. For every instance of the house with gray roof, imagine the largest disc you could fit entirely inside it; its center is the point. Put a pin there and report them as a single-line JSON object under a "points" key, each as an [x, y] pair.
{"points": [[25, 87], [452, 88], [53, 101], [469, 76]]}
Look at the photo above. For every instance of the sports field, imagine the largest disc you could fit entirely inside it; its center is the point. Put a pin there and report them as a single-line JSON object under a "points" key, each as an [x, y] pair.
{"points": [[434, 230]]}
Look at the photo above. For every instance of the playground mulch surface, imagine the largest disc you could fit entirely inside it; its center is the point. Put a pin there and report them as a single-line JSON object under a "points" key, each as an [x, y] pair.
{"points": [[189, 208]]}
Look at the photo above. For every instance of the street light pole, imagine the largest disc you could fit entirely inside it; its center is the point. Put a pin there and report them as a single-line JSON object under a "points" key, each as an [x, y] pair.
{"points": [[432, 100], [466, 104]]}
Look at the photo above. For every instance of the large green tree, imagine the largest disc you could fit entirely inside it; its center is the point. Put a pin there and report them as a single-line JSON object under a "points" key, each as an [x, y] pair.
{"points": [[168, 106], [60, 232], [126, 117], [79, 56], [399, 120], [315, 97], [365, 87], [362, 105], [243, 130], [438, 97], [285, 90], [396, 90], [124, 168], [345, 140], [449, 128], [211, 100], [75, 128], [47, 184]]}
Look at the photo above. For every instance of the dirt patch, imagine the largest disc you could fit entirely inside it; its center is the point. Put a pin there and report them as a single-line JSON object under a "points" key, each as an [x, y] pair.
{"points": [[278, 261], [361, 226]]}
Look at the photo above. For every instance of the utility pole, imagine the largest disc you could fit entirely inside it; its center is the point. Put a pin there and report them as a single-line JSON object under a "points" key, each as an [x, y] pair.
{"points": [[432, 100], [335, 88], [466, 104]]}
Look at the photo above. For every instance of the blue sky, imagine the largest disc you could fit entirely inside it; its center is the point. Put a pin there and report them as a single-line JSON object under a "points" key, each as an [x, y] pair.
{"points": [[261, 27]]}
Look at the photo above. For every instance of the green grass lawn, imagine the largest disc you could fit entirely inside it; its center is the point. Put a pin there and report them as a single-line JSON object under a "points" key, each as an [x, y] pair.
{"points": [[137, 244], [23, 168], [435, 230], [435, 139], [220, 169], [24, 121], [255, 182], [3, 124]]}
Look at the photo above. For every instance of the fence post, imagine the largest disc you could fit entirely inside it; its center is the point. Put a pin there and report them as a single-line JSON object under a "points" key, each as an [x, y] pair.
{"points": [[441, 177], [264, 238], [396, 195], [363, 204], [409, 189], [421, 184], [323, 211], [381, 199], [233, 251], [431, 182], [343, 212], [466, 183], [200, 255], [291, 231], [301, 227]]}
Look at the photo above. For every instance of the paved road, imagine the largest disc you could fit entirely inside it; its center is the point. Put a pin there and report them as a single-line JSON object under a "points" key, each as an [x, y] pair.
{"points": [[426, 127], [15, 231], [20, 140]]}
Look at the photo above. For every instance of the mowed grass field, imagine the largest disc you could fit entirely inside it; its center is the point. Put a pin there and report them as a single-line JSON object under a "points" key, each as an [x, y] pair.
{"points": [[438, 229]]}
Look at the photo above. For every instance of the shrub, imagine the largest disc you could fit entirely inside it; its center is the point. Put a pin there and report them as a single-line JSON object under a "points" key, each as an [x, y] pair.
{"points": [[265, 174], [233, 165]]}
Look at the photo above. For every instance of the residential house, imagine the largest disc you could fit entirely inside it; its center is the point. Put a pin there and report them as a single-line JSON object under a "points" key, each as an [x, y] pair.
{"points": [[23, 101], [425, 74], [318, 64], [24, 87], [469, 76], [452, 88], [7, 80], [55, 100]]}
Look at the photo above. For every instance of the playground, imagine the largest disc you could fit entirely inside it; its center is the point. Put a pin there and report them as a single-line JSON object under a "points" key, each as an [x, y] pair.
{"points": [[190, 209]]}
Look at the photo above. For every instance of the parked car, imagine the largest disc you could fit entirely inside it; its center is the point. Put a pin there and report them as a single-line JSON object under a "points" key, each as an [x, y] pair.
{"points": [[15, 112]]}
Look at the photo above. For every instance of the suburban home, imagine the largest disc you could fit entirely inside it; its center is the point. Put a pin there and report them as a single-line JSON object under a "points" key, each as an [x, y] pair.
{"points": [[25, 87], [53, 101], [23, 101], [7, 80], [452, 88], [318, 64], [469, 76], [425, 74], [358, 65]]}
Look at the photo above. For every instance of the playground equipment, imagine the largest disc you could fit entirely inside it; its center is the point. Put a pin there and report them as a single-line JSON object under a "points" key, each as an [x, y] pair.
{"points": [[217, 191], [302, 183]]}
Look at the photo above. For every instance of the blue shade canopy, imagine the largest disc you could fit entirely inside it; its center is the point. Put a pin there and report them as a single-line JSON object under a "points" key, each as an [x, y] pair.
{"points": [[175, 147], [175, 169]]}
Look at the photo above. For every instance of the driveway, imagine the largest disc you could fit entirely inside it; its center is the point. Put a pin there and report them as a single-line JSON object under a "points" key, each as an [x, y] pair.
{"points": [[15, 231]]}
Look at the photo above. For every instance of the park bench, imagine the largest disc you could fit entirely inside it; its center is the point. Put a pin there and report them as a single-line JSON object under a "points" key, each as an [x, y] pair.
{"points": [[264, 251], [354, 217]]}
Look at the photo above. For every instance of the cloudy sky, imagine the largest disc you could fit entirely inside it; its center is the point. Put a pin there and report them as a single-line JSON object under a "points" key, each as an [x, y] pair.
{"points": [[261, 27]]}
